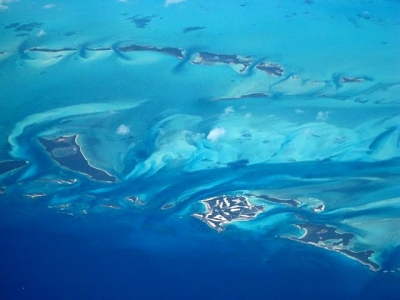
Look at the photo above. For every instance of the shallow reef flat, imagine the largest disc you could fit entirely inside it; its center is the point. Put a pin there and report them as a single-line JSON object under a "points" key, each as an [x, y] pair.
{"points": [[281, 80], [315, 172]]}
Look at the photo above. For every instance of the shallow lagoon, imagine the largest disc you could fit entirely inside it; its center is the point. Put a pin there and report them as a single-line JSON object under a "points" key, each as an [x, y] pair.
{"points": [[177, 129]]}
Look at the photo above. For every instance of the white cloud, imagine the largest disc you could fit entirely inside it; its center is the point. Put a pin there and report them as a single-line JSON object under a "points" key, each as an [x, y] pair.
{"points": [[215, 134], [49, 5], [322, 115], [123, 129], [228, 111], [168, 2], [4, 4], [123, 1], [299, 111], [41, 33]]}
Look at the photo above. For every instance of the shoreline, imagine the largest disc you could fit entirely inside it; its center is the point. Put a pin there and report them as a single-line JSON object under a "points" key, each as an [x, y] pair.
{"points": [[225, 209], [70, 143], [372, 265], [317, 238]]}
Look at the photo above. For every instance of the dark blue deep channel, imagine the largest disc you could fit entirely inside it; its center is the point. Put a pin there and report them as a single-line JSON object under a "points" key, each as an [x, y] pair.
{"points": [[52, 257]]}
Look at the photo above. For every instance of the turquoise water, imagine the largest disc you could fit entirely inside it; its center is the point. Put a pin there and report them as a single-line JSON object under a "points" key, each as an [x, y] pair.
{"points": [[119, 117]]}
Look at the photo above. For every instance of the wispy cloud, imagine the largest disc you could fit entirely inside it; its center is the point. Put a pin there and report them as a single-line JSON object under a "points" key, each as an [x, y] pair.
{"points": [[215, 134], [41, 33], [5, 3], [49, 5], [123, 129], [228, 111], [322, 115], [169, 2]]}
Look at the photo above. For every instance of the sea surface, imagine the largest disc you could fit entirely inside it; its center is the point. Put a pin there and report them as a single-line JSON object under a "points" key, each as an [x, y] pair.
{"points": [[199, 149]]}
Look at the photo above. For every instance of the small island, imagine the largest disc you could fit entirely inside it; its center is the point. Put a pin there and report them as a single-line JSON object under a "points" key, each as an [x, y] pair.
{"points": [[36, 49], [271, 69], [35, 195], [176, 52], [224, 209], [328, 237], [345, 79], [66, 151], [207, 58], [167, 206], [135, 199]]}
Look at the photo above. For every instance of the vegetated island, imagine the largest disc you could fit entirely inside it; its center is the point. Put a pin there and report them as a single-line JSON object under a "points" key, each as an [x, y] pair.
{"points": [[271, 69], [66, 151], [225, 209], [327, 237], [36, 49], [176, 52], [207, 58], [345, 79]]}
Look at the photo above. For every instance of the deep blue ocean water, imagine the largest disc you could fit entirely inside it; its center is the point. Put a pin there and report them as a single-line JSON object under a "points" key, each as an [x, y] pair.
{"points": [[82, 262], [119, 118]]}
